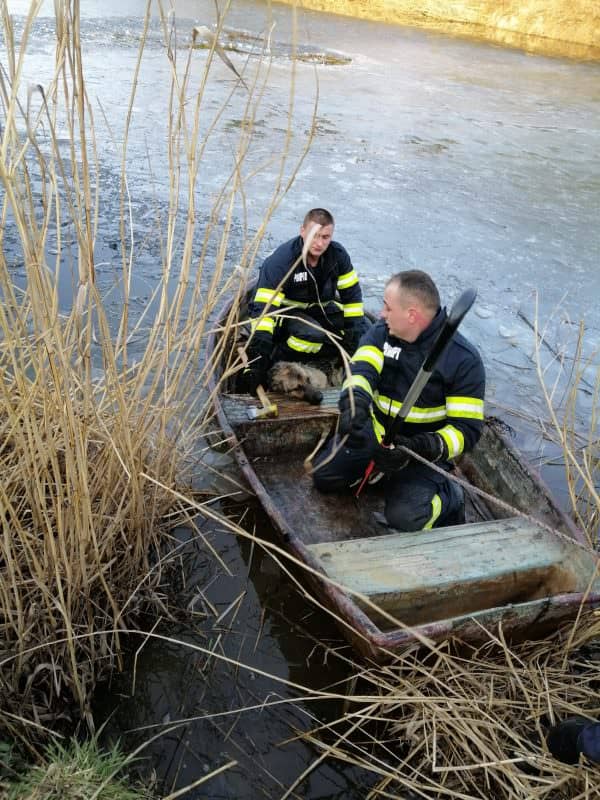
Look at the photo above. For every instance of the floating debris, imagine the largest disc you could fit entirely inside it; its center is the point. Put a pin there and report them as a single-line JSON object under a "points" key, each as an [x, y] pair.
{"points": [[253, 44]]}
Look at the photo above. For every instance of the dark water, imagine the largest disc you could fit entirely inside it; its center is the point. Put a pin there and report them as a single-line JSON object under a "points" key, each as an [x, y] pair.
{"points": [[478, 164], [247, 692]]}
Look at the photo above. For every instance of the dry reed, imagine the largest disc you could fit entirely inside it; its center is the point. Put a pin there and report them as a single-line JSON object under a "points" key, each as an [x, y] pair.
{"points": [[92, 439]]}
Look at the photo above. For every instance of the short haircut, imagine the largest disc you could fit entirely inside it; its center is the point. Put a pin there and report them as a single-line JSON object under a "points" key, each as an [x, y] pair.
{"points": [[319, 215], [420, 285]]}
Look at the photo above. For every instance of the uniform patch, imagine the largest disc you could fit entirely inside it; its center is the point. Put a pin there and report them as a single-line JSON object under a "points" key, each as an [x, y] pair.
{"points": [[300, 277], [391, 352]]}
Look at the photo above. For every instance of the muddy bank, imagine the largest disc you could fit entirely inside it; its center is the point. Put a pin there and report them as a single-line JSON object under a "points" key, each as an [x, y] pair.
{"points": [[569, 28]]}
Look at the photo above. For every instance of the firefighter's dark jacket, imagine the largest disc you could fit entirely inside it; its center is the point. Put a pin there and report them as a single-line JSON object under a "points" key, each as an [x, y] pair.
{"points": [[333, 279], [384, 367]]}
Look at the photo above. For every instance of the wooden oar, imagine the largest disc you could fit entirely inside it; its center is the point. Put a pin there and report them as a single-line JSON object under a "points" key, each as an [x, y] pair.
{"points": [[455, 317]]}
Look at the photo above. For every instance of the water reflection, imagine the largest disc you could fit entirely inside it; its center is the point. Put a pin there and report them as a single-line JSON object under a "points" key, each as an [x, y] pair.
{"points": [[257, 625]]}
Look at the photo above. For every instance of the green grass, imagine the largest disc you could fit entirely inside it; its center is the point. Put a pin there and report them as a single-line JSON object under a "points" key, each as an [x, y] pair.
{"points": [[76, 772]]}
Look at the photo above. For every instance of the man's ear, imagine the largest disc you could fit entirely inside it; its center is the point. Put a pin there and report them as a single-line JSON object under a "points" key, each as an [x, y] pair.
{"points": [[413, 315]]}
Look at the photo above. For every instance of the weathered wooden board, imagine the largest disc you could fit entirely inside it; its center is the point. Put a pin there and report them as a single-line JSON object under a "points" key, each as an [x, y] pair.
{"points": [[312, 515], [432, 575], [497, 469], [297, 427]]}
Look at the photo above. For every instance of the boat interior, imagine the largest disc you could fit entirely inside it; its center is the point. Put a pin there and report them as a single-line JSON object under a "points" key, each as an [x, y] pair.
{"points": [[503, 555]]}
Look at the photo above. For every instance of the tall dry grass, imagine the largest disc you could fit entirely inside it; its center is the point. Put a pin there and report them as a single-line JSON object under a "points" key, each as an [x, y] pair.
{"points": [[579, 440], [92, 438]]}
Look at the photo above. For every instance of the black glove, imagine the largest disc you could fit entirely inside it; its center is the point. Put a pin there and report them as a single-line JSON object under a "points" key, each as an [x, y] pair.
{"points": [[351, 339], [259, 358], [428, 445], [390, 459], [354, 425], [251, 379]]}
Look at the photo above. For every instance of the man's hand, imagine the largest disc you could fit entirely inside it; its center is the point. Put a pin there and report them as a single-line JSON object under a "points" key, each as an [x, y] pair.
{"points": [[353, 425], [255, 374], [252, 378], [390, 459], [427, 445]]}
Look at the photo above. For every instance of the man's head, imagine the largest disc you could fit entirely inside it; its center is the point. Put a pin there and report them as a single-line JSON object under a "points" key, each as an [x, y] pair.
{"points": [[323, 236], [410, 302]]}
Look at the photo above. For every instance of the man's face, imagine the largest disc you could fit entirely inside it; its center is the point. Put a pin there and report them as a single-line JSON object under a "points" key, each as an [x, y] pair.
{"points": [[321, 239], [400, 313]]}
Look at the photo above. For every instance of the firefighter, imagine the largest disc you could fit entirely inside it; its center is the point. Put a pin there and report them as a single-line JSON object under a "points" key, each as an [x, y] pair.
{"points": [[446, 420], [298, 304]]}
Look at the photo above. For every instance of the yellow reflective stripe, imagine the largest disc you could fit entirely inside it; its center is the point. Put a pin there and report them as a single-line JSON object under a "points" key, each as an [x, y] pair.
{"points": [[416, 414], [296, 303], [319, 305], [387, 405], [347, 280], [379, 429], [263, 324], [269, 296], [358, 382], [353, 310], [302, 346], [436, 510], [455, 441], [426, 414], [372, 355], [467, 407]]}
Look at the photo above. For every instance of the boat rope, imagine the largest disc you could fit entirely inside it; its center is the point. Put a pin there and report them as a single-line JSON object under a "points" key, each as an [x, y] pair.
{"points": [[469, 487]]}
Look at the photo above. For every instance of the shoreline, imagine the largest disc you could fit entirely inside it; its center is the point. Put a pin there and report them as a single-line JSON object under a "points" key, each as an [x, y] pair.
{"points": [[555, 28]]}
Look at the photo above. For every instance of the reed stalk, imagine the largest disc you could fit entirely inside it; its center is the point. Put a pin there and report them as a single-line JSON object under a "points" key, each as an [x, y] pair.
{"points": [[94, 436]]}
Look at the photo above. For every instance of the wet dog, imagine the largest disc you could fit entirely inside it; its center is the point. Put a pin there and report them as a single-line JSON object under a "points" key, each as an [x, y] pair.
{"points": [[298, 380]]}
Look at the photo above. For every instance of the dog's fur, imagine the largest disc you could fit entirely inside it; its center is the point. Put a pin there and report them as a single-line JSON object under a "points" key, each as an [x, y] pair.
{"points": [[300, 380]]}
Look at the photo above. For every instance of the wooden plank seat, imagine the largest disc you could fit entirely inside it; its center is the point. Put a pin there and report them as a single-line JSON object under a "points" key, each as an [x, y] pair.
{"points": [[448, 572]]}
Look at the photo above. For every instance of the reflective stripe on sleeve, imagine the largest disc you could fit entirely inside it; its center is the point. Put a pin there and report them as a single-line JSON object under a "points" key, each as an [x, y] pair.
{"points": [[266, 324], [466, 407], [358, 382], [270, 296], [354, 310], [455, 441], [347, 280], [371, 355]]}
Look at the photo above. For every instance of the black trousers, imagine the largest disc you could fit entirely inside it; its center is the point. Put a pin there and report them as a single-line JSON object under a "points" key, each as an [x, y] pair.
{"points": [[416, 497]]}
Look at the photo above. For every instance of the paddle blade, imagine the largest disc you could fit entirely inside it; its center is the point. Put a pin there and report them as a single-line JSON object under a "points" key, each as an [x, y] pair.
{"points": [[461, 306], [455, 317]]}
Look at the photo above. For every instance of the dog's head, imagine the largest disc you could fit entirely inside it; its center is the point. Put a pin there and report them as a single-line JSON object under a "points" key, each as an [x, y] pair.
{"points": [[294, 379]]}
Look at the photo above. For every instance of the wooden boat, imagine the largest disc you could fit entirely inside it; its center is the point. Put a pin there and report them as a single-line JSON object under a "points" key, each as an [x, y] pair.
{"points": [[524, 571]]}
